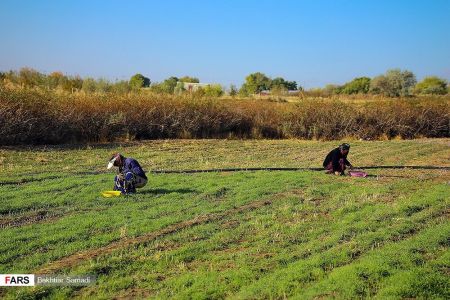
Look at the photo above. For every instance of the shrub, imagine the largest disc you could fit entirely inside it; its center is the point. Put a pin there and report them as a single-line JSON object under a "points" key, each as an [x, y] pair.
{"points": [[138, 81], [432, 86], [213, 90], [359, 85]]}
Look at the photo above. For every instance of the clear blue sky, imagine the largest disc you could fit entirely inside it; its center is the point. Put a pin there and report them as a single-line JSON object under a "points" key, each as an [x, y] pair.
{"points": [[313, 42]]}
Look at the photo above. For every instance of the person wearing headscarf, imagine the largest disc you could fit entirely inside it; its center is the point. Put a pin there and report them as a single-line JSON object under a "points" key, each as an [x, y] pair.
{"points": [[336, 161], [130, 174]]}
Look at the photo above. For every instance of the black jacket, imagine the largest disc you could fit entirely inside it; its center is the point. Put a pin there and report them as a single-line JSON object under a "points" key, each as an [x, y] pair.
{"points": [[334, 156]]}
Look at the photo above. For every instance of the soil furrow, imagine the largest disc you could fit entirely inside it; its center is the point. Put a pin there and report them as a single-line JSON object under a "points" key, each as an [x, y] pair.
{"points": [[79, 257]]}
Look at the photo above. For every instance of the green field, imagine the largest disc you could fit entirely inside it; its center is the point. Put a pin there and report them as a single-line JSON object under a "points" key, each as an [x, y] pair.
{"points": [[239, 235]]}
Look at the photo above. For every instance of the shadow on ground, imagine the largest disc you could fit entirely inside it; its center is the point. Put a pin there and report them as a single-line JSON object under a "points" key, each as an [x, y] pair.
{"points": [[166, 191]]}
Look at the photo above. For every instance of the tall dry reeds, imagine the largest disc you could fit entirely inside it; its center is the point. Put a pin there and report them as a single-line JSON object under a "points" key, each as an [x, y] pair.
{"points": [[31, 117]]}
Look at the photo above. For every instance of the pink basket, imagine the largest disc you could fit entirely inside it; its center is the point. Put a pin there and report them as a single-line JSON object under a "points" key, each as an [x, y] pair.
{"points": [[357, 174]]}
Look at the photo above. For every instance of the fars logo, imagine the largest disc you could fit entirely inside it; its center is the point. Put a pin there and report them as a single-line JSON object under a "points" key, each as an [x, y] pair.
{"points": [[16, 279]]}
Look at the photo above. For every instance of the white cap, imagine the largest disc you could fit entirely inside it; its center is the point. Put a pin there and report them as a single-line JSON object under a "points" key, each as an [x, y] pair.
{"points": [[111, 163]]}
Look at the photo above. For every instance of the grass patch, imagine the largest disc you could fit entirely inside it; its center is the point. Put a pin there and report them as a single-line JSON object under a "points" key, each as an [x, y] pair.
{"points": [[235, 235]]}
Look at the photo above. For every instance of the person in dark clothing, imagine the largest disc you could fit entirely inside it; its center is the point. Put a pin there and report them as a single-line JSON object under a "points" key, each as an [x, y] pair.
{"points": [[130, 176], [336, 161]]}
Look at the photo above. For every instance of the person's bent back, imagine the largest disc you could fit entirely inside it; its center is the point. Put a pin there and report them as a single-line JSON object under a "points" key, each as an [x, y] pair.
{"points": [[130, 175]]}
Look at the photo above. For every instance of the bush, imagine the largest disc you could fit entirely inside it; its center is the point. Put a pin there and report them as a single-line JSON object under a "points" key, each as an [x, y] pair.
{"points": [[213, 90], [138, 81], [359, 85], [168, 85], [189, 79], [432, 86]]}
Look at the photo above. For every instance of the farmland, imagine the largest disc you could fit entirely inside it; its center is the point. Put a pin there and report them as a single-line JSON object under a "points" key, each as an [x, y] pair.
{"points": [[240, 235], [231, 108], [299, 234]]}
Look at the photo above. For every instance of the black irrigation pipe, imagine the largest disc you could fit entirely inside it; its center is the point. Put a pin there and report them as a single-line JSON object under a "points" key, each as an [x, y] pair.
{"points": [[190, 171], [232, 170], [291, 169]]}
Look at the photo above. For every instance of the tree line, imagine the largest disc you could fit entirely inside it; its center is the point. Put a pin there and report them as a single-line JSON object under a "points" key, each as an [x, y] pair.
{"points": [[394, 83]]}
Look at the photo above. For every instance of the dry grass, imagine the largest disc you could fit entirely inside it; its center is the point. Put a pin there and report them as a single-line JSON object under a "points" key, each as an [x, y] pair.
{"points": [[32, 117]]}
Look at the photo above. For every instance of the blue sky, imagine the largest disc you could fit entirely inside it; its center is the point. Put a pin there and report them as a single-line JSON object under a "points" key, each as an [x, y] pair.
{"points": [[313, 42]]}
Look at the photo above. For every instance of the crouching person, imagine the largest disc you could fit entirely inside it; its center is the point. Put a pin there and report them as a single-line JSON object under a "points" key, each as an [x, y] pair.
{"points": [[130, 175], [336, 161]]}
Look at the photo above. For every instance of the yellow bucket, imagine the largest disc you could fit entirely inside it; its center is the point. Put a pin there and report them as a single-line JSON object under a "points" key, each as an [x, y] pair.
{"points": [[109, 194]]}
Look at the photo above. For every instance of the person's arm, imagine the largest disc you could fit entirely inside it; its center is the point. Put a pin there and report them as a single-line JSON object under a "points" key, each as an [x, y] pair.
{"points": [[347, 163]]}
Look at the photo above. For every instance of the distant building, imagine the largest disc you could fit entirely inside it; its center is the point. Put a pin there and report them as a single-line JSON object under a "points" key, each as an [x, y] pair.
{"points": [[289, 92], [293, 92], [192, 86]]}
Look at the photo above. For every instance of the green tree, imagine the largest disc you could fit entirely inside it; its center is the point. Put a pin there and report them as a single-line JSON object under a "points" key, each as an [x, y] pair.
{"points": [[243, 92], [213, 90], [432, 86], [280, 83], [138, 81], [256, 82], [379, 85], [165, 87], [394, 83], [168, 85], [189, 79], [360, 85]]}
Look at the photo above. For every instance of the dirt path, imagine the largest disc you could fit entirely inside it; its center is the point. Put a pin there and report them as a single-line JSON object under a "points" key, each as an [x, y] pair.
{"points": [[31, 218], [41, 216]]}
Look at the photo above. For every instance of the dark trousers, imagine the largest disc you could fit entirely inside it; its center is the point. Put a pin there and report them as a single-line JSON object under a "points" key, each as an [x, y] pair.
{"points": [[340, 169], [128, 183]]}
